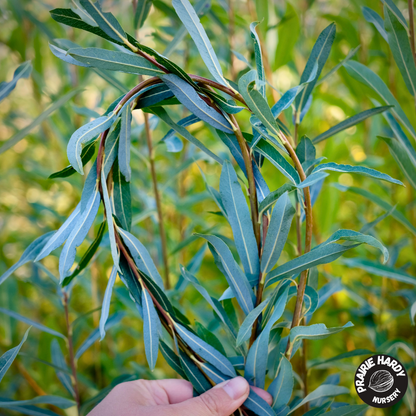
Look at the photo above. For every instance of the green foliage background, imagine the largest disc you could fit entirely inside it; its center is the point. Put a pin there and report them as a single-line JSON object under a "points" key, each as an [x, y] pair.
{"points": [[31, 204]]}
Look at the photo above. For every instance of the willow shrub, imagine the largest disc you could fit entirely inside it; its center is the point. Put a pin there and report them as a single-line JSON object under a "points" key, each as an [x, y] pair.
{"points": [[260, 342]]}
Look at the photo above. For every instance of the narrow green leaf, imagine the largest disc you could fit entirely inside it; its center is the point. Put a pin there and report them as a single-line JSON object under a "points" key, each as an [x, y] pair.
{"points": [[78, 234], [353, 353], [319, 54], [349, 122], [259, 59], [271, 199], [38, 120], [319, 255], [270, 153], [201, 8], [70, 18], [88, 255], [317, 331], [277, 232], [402, 159], [191, 21], [141, 256], [396, 214], [365, 75], [122, 198], [110, 221], [256, 362], [151, 329], [106, 21], [161, 113], [86, 155], [187, 95], [142, 11], [381, 270], [9, 356], [28, 321], [29, 254], [238, 216], [95, 335], [57, 401], [105, 309], [281, 387], [396, 12], [246, 327], [209, 337], [205, 351], [362, 170], [373, 17], [58, 360], [350, 410], [325, 390], [398, 39], [125, 143], [257, 103], [23, 71], [258, 405], [193, 374], [171, 358], [115, 61], [234, 275]]}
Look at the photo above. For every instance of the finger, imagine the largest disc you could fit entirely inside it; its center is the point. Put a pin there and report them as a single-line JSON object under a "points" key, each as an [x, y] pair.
{"points": [[263, 394], [222, 400], [176, 390]]}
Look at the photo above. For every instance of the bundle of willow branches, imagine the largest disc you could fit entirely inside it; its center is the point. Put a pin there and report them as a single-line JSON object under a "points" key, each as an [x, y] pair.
{"points": [[260, 227]]}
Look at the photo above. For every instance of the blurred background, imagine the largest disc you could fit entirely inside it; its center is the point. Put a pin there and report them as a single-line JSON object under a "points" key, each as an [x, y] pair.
{"points": [[41, 113]]}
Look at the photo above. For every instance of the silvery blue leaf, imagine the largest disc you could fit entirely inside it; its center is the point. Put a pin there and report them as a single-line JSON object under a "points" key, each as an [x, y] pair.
{"points": [[83, 135], [256, 362], [205, 351], [261, 86], [187, 95], [62, 54], [58, 360], [238, 216], [105, 309], [281, 387], [106, 21], [110, 221], [29, 254], [111, 148], [141, 256], [151, 329], [277, 232], [23, 71], [78, 235], [9, 356], [191, 21], [257, 405], [194, 375], [234, 275]]}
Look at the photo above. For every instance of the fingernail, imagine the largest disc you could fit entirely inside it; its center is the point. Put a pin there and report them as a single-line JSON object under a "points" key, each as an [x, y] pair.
{"points": [[235, 387]]}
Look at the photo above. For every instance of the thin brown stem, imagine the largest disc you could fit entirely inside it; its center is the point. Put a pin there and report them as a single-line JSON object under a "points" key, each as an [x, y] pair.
{"points": [[72, 364], [162, 231], [251, 183], [308, 243], [410, 5], [231, 28]]}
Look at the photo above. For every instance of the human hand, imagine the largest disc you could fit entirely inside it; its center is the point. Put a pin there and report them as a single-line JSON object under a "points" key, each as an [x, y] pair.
{"points": [[174, 397]]}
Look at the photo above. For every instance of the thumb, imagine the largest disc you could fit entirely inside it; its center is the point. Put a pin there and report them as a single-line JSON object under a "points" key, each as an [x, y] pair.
{"points": [[222, 400]]}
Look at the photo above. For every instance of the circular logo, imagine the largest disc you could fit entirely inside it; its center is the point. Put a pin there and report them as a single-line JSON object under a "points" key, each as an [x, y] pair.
{"points": [[381, 381]]}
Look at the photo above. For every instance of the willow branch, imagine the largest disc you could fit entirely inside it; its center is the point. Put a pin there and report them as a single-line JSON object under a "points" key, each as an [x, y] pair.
{"points": [[410, 5], [308, 242]]}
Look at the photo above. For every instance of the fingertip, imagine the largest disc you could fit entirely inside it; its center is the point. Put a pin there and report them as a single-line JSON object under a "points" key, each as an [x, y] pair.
{"points": [[236, 388], [263, 394]]}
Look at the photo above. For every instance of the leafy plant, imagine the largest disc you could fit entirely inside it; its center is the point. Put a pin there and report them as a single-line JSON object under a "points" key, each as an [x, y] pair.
{"points": [[265, 334]]}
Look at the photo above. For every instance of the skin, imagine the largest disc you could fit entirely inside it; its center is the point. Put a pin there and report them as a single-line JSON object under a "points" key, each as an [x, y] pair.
{"points": [[175, 398]]}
